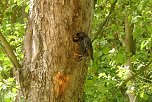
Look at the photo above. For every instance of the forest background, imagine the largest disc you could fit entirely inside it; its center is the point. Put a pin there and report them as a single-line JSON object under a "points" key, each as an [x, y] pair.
{"points": [[109, 79]]}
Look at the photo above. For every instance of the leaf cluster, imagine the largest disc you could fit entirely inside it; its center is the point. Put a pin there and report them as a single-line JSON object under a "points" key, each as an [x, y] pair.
{"points": [[108, 72]]}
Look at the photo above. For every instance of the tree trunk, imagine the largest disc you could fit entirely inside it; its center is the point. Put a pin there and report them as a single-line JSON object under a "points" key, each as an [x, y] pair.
{"points": [[52, 71], [130, 49]]}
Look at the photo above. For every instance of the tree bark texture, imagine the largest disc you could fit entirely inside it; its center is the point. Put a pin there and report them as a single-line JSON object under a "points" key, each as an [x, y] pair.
{"points": [[52, 71]]}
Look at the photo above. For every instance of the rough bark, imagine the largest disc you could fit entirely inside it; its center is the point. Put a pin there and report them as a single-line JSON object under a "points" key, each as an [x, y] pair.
{"points": [[52, 71]]}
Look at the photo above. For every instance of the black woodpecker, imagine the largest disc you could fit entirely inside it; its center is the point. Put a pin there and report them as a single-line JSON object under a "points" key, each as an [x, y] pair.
{"points": [[85, 44]]}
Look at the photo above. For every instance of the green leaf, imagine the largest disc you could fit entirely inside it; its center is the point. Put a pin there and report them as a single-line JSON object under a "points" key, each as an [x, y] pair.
{"points": [[106, 50], [137, 32], [145, 97], [27, 9], [111, 1], [121, 58], [7, 100], [133, 58], [10, 79], [144, 44], [149, 28]]}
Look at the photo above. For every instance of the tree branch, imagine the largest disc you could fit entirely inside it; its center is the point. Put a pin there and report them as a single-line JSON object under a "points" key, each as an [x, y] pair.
{"points": [[7, 48], [100, 29]]}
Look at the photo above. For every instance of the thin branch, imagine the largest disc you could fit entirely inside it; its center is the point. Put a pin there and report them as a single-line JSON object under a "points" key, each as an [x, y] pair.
{"points": [[3, 11], [135, 75], [7, 48], [100, 29]]}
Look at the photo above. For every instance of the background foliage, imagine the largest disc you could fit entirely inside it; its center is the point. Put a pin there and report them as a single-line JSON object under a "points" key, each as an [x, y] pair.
{"points": [[13, 17], [108, 71]]}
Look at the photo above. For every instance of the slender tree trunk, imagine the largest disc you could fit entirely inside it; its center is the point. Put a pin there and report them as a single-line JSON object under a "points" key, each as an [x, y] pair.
{"points": [[131, 48], [52, 71]]}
